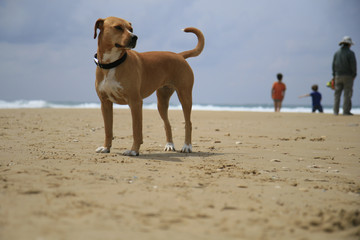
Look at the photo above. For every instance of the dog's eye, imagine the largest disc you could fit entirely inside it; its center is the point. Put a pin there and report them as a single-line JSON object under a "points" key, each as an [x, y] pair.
{"points": [[119, 28], [131, 30]]}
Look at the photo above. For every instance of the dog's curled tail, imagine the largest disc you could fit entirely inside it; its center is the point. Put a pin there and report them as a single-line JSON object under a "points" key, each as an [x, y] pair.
{"points": [[199, 47]]}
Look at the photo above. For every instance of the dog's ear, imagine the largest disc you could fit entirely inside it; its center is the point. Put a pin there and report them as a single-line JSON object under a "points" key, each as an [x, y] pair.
{"points": [[98, 25]]}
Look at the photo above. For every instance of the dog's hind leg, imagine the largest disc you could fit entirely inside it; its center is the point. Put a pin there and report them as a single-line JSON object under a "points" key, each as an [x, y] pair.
{"points": [[163, 96], [185, 98]]}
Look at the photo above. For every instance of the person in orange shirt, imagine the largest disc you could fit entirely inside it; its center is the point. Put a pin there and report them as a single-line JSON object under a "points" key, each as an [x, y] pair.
{"points": [[278, 92]]}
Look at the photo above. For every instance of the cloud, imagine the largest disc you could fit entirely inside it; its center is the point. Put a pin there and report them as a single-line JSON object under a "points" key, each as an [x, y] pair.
{"points": [[47, 46], [37, 21]]}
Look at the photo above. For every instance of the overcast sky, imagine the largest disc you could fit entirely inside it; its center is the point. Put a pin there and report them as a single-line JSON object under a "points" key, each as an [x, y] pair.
{"points": [[47, 46]]}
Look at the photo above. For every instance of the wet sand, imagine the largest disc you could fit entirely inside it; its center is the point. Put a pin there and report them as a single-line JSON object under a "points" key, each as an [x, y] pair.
{"points": [[251, 176]]}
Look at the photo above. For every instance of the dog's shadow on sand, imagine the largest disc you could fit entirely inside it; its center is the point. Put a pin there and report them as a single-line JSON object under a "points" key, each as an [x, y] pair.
{"points": [[175, 156]]}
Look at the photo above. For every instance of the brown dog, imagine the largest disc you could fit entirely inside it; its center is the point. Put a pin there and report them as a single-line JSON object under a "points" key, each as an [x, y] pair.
{"points": [[124, 76]]}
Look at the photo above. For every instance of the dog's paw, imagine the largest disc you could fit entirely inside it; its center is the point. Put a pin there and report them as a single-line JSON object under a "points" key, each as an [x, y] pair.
{"points": [[102, 150], [186, 148], [169, 147], [130, 153]]}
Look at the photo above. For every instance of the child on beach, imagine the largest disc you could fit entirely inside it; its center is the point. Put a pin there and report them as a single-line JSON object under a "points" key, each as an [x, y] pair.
{"points": [[316, 99], [278, 92]]}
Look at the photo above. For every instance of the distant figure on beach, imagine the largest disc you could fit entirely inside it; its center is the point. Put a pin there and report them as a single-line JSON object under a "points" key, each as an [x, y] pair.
{"points": [[278, 92], [316, 99], [344, 72]]}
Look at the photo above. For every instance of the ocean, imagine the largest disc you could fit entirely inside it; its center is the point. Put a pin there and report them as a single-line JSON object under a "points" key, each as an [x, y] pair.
{"points": [[18, 104]]}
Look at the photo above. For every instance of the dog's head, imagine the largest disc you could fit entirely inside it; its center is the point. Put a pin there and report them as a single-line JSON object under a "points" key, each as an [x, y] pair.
{"points": [[115, 32]]}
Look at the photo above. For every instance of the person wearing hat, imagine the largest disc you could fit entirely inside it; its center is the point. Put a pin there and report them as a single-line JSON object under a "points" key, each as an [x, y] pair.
{"points": [[344, 73]]}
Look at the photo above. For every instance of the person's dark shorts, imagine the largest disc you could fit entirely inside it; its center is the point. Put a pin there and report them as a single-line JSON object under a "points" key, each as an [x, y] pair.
{"points": [[319, 108]]}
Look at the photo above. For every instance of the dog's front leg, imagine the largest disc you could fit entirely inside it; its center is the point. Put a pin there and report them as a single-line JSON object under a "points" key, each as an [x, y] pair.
{"points": [[136, 113], [107, 112]]}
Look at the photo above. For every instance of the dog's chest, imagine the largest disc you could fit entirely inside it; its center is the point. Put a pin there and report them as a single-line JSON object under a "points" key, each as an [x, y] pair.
{"points": [[112, 88]]}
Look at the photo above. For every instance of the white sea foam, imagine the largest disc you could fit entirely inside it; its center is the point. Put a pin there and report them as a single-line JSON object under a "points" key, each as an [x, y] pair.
{"points": [[200, 107]]}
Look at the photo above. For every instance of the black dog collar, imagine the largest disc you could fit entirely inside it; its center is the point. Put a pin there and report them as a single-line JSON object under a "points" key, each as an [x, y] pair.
{"points": [[110, 65]]}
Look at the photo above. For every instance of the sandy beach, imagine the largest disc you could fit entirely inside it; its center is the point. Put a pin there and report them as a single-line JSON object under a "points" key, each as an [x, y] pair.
{"points": [[251, 176]]}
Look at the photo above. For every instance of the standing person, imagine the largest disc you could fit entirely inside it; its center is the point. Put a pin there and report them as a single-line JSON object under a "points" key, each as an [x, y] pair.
{"points": [[278, 92], [316, 99], [344, 72]]}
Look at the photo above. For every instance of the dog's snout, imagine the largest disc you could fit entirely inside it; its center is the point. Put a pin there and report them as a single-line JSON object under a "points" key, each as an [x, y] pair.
{"points": [[133, 41], [134, 38]]}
